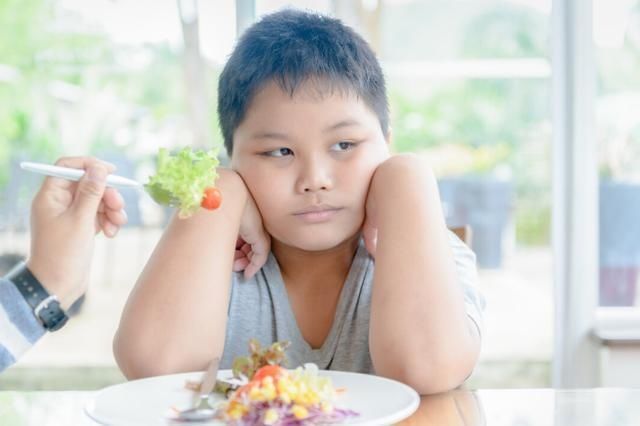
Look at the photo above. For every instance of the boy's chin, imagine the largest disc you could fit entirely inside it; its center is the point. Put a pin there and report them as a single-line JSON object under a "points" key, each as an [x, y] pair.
{"points": [[318, 242]]}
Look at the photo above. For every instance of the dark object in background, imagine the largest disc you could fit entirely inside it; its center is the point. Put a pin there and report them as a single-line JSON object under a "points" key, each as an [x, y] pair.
{"points": [[484, 204]]}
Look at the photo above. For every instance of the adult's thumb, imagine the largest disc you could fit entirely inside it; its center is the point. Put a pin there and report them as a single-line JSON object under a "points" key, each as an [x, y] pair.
{"points": [[90, 190]]}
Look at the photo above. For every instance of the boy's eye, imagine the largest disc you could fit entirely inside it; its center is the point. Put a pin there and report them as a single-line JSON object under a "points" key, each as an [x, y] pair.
{"points": [[280, 152], [342, 146]]}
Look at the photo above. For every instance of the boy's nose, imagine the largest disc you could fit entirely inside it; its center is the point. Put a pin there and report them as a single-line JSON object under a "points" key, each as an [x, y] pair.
{"points": [[312, 189], [313, 179]]}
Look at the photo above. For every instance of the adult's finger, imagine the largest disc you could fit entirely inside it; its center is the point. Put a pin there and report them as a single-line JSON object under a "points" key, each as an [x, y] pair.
{"points": [[74, 163], [117, 217], [113, 200], [90, 190], [109, 229], [83, 163]]}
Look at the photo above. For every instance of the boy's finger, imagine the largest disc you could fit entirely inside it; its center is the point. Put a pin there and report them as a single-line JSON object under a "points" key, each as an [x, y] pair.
{"points": [[254, 266], [258, 259], [239, 243], [371, 242], [250, 271], [240, 264], [370, 236]]}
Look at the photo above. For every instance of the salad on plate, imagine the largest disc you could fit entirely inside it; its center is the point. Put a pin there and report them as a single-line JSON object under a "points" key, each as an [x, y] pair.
{"points": [[263, 392]]}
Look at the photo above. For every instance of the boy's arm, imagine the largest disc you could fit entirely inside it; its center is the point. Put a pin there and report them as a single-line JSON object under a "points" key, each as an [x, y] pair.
{"points": [[420, 333], [176, 315]]}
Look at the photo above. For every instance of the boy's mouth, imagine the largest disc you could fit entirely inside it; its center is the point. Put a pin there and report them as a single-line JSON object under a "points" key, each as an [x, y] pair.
{"points": [[318, 213]]}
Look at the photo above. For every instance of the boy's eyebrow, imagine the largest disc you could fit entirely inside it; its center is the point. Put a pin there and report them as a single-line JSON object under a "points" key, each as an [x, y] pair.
{"points": [[282, 136], [270, 135], [340, 124]]}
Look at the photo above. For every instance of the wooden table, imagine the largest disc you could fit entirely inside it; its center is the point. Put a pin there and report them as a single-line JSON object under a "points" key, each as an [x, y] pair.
{"points": [[513, 407]]}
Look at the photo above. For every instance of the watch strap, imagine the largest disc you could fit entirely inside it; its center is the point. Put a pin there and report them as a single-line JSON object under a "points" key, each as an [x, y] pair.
{"points": [[45, 307]]}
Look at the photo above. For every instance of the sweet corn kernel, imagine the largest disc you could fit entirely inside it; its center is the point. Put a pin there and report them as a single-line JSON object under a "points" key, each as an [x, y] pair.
{"points": [[255, 394], [269, 393], [284, 397], [270, 416], [299, 412], [236, 410]]}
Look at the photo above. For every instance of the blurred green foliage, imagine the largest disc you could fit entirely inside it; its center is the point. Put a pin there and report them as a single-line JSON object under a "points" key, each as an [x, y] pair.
{"points": [[502, 123], [498, 125], [44, 57]]}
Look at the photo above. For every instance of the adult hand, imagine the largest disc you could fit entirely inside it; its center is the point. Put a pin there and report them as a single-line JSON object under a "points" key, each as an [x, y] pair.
{"points": [[65, 217]]}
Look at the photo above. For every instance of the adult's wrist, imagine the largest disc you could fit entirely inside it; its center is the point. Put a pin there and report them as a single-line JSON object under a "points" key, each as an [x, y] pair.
{"points": [[53, 282], [45, 306]]}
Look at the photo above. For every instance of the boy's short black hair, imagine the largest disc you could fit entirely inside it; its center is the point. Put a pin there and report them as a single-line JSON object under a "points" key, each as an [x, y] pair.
{"points": [[291, 47]]}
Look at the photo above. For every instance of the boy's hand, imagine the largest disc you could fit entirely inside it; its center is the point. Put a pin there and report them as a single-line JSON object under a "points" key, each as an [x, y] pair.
{"points": [[369, 227], [253, 244]]}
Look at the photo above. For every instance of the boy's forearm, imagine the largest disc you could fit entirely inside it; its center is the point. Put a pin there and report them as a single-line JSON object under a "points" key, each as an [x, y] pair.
{"points": [[175, 317], [419, 333]]}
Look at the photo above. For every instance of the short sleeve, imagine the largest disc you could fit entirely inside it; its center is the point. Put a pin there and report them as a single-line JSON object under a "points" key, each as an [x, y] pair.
{"points": [[467, 273]]}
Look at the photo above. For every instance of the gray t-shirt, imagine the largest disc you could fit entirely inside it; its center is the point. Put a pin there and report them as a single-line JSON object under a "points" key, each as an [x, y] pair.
{"points": [[259, 308]]}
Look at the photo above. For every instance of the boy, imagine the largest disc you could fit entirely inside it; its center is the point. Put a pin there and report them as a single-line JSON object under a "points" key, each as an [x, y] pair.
{"points": [[311, 199]]}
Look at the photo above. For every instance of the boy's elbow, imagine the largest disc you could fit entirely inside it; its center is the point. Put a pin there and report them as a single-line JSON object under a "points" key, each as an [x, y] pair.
{"points": [[440, 378], [138, 357], [434, 374], [446, 379], [126, 358], [136, 361]]}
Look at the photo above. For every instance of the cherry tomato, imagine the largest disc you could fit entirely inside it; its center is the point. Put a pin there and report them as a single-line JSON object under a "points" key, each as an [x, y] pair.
{"points": [[274, 371], [212, 198]]}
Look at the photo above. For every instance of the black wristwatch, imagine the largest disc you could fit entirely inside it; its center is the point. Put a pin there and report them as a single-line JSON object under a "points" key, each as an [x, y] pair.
{"points": [[46, 307]]}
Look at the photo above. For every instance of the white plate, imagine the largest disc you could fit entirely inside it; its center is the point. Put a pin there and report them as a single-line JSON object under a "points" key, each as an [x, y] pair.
{"points": [[379, 401]]}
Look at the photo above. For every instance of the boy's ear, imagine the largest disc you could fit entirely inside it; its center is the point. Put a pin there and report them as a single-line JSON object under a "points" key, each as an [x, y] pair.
{"points": [[389, 138]]}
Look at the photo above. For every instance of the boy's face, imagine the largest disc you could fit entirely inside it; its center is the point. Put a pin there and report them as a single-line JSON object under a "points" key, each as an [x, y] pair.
{"points": [[308, 161]]}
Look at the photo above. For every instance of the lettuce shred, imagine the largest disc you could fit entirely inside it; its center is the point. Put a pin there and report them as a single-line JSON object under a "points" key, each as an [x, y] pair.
{"points": [[181, 179]]}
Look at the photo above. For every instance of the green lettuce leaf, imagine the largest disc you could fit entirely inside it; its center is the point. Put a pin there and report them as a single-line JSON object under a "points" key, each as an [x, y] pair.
{"points": [[181, 179]]}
